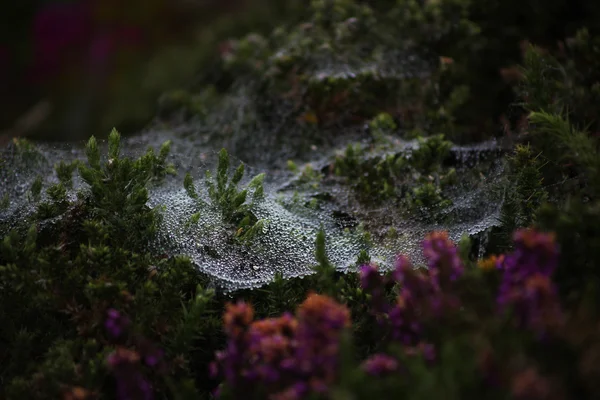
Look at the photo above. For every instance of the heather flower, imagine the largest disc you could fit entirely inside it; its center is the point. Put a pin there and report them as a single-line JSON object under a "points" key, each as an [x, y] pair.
{"points": [[320, 323], [372, 282], [295, 392], [131, 383], [270, 339], [319, 309], [530, 385], [77, 393], [288, 357], [491, 263], [426, 350], [151, 354], [526, 282], [237, 318], [116, 323], [122, 356], [404, 320], [413, 280], [380, 364], [534, 252], [445, 265], [536, 303]]}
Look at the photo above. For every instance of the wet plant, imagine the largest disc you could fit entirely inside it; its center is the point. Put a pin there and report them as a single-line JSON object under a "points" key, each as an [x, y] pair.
{"points": [[225, 196], [373, 178], [430, 154]]}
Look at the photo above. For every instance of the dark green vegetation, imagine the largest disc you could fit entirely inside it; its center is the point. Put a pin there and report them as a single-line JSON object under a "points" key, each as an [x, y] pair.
{"points": [[66, 268], [231, 202]]}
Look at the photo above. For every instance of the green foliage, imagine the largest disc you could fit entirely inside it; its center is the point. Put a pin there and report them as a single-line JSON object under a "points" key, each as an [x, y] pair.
{"points": [[58, 202], [383, 124], [575, 145], [324, 270], [373, 178], [36, 189], [540, 83], [431, 153], [64, 172], [118, 187], [428, 196], [191, 323], [525, 194], [554, 177], [231, 201]]}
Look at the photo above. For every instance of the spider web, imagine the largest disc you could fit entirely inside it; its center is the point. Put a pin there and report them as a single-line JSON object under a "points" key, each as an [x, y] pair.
{"points": [[260, 118]]}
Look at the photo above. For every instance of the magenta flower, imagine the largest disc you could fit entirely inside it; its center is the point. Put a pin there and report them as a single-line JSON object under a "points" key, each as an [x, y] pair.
{"points": [[116, 324], [130, 382], [380, 365], [526, 285], [289, 357], [445, 265], [372, 282]]}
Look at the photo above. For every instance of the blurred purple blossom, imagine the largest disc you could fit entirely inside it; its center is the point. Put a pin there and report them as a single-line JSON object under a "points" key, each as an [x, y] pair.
{"points": [[131, 383], [288, 356], [526, 285], [372, 282], [445, 265], [380, 365], [116, 323]]}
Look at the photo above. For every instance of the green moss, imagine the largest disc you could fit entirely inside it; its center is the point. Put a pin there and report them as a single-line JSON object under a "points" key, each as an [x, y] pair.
{"points": [[428, 197], [36, 189], [373, 178], [229, 200], [431, 153]]}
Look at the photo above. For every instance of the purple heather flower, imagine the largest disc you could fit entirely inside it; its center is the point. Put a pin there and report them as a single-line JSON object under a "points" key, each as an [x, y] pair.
{"points": [[526, 281], [296, 391], [409, 278], [530, 385], [289, 357], [372, 282], [153, 357], [404, 321], [116, 324], [237, 318], [320, 323], [380, 364], [131, 383], [445, 265], [427, 350]]}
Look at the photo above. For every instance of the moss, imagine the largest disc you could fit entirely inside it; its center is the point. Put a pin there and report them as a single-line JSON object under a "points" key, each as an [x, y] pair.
{"points": [[427, 197], [431, 153], [373, 178], [229, 200]]}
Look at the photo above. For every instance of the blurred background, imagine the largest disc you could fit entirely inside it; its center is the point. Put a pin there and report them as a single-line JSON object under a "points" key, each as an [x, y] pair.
{"points": [[71, 69]]}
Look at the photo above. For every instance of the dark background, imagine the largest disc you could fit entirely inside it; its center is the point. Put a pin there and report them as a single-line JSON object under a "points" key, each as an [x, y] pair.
{"points": [[70, 69]]}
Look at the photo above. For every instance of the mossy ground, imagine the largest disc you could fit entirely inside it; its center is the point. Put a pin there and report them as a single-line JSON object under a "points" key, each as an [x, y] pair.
{"points": [[340, 95]]}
